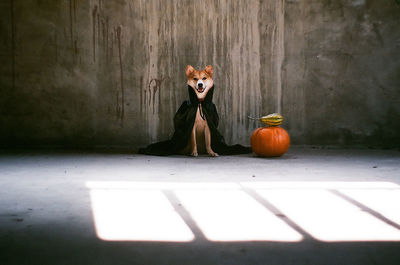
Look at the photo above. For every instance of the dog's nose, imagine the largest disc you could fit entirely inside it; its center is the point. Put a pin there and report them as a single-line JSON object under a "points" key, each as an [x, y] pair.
{"points": [[200, 84]]}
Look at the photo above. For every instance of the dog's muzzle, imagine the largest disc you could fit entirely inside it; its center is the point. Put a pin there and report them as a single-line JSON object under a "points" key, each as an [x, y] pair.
{"points": [[200, 87]]}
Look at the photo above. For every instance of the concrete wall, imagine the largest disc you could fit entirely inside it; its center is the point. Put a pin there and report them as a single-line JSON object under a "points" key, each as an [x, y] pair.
{"points": [[97, 72], [342, 71]]}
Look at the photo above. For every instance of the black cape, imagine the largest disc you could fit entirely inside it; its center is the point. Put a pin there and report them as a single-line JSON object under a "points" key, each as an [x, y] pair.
{"points": [[183, 124]]}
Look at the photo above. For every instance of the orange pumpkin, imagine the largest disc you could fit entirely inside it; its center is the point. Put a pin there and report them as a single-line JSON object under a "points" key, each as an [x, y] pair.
{"points": [[270, 141]]}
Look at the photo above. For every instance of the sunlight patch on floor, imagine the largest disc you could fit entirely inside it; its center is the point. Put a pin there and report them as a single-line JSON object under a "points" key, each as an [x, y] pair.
{"points": [[384, 201], [123, 214], [228, 212], [328, 217], [232, 215]]}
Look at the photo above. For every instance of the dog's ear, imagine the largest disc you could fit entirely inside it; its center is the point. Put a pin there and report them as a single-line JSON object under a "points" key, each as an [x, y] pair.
{"points": [[209, 69], [189, 70]]}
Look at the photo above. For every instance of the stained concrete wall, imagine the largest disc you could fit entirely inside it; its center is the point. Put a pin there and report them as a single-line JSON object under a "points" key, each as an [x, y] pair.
{"points": [[342, 71], [99, 72]]}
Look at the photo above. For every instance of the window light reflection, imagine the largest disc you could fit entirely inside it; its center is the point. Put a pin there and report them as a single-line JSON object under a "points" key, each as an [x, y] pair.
{"points": [[383, 201], [135, 215], [141, 211], [232, 215], [328, 217]]}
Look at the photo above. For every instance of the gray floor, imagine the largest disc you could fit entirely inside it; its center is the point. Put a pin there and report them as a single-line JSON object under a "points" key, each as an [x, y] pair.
{"points": [[48, 202]]}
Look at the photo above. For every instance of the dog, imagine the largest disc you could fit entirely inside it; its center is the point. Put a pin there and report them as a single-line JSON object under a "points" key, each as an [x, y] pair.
{"points": [[200, 139], [196, 122]]}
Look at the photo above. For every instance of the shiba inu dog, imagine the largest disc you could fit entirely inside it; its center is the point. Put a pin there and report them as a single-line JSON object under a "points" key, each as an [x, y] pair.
{"points": [[200, 139], [196, 122]]}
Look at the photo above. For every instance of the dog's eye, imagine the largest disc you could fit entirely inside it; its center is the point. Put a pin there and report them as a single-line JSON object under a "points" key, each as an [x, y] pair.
{"points": [[204, 78], [195, 79]]}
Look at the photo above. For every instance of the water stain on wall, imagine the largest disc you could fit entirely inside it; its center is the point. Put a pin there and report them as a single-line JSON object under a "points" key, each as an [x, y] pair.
{"points": [[155, 84], [72, 19], [12, 24], [108, 54], [73, 31], [94, 17], [122, 113]]}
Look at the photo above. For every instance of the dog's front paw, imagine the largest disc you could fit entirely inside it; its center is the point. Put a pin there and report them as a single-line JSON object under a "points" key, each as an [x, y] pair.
{"points": [[194, 153], [213, 154]]}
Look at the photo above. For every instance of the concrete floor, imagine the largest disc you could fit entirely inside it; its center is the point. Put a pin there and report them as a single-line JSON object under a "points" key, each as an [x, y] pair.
{"points": [[311, 206]]}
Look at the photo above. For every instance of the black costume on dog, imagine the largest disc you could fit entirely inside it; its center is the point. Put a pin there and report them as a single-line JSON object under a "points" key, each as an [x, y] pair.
{"points": [[183, 123]]}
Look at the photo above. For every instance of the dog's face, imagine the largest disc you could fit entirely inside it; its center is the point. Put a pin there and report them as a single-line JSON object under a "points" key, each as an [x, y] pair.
{"points": [[200, 81]]}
